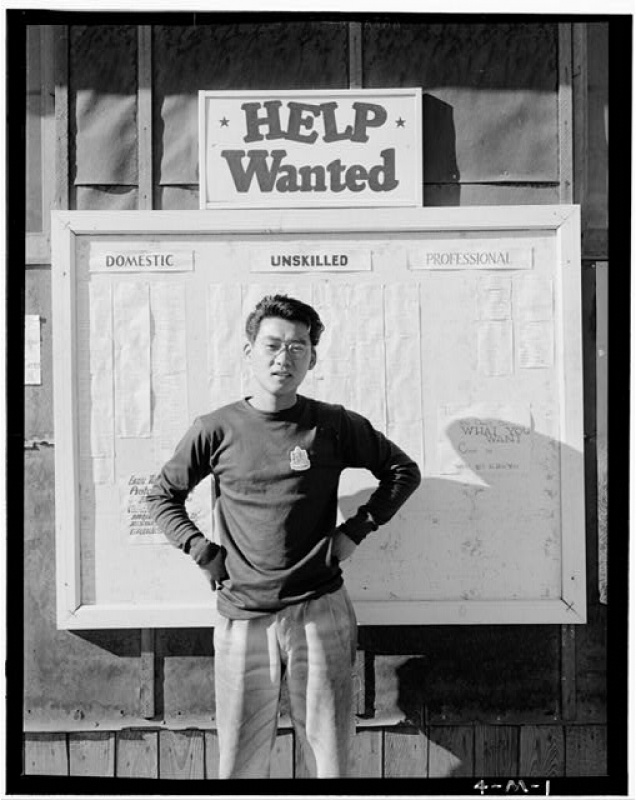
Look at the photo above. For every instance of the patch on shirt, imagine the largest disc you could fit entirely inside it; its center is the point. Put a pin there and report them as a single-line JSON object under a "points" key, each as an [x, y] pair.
{"points": [[299, 460]]}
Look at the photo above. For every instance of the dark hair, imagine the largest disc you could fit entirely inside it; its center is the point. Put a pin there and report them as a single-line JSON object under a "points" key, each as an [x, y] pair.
{"points": [[284, 307]]}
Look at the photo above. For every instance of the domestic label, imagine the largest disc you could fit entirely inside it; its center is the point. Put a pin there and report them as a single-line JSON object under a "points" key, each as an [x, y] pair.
{"points": [[140, 257]]}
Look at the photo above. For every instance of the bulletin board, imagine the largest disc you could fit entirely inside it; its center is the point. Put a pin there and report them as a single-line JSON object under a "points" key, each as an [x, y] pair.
{"points": [[456, 331]]}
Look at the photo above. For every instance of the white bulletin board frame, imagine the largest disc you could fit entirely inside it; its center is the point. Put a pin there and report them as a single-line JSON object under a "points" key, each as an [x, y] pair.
{"points": [[562, 221]]}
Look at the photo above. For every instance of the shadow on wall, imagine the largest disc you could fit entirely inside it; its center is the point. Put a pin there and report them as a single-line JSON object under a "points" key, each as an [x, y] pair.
{"points": [[441, 172], [437, 676]]}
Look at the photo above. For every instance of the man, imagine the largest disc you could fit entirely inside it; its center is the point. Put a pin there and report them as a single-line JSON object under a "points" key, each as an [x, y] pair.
{"points": [[276, 459]]}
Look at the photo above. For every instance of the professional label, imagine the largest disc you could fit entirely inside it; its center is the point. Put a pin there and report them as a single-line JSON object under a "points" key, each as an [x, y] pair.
{"points": [[468, 254]]}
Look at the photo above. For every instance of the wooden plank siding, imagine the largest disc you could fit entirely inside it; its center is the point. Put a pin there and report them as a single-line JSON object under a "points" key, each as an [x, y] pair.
{"points": [[497, 750], [46, 754], [451, 751], [92, 754], [367, 754], [181, 754], [137, 754], [405, 754], [541, 750], [585, 750], [440, 751]]}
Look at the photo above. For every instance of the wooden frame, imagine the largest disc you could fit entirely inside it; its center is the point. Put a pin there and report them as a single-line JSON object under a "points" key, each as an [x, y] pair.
{"points": [[562, 221], [38, 244]]}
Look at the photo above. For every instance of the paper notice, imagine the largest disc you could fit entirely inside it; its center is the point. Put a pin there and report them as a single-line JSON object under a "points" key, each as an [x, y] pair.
{"points": [[403, 354], [225, 342], [32, 370], [534, 298], [101, 420], [535, 345], [131, 329], [169, 364], [494, 298], [494, 348], [225, 330], [140, 527], [367, 304]]}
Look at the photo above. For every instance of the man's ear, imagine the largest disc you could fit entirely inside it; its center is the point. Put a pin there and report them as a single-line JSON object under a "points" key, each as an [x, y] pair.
{"points": [[247, 349], [313, 358]]}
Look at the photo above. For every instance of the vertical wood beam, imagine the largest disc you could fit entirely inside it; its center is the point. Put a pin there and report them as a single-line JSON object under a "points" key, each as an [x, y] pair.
{"points": [[566, 195], [568, 672], [62, 194], [147, 680], [580, 116], [144, 117], [355, 55], [566, 177], [147, 670]]}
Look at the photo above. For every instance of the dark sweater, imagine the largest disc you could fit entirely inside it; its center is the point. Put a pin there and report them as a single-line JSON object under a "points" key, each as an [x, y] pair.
{"points": [[276, 508]]}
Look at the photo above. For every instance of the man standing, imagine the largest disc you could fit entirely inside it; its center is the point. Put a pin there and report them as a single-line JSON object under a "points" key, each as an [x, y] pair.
{"points": [[276, 459]]}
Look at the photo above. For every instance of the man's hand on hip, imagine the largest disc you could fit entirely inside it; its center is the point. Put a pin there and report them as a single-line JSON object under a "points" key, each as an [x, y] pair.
{"points": [[343, 546]]}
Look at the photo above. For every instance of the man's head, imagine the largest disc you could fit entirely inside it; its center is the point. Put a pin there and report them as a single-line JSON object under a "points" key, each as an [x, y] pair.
{"points": [[282, 334], [288, 308]]}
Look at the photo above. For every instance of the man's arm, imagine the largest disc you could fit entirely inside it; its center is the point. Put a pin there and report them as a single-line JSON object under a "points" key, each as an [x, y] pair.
{"points": [[189, 465], [397, 473]]}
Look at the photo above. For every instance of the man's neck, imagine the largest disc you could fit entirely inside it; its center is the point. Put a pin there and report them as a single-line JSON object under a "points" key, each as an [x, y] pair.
{"points": [[272, 403]]}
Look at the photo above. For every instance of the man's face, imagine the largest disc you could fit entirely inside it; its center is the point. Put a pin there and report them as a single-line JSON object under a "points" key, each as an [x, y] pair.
{"points": [[280, 357]]}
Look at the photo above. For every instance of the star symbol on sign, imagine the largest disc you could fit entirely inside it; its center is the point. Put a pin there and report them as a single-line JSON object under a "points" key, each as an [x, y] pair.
{"points": [[224, 122], [400, 122]]}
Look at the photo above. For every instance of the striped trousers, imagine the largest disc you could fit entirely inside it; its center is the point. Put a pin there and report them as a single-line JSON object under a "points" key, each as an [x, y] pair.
{"points": [[313, 644]]}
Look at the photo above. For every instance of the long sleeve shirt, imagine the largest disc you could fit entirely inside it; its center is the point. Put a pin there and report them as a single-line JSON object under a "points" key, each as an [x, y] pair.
{"points": [[276, 484]]}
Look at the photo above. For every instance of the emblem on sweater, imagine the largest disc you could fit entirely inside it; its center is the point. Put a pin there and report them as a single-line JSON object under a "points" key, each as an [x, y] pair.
{"points": [[299, 460]]}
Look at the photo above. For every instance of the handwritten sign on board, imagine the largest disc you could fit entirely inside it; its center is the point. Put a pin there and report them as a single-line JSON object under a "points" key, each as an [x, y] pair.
{"points": [[484, 438]]}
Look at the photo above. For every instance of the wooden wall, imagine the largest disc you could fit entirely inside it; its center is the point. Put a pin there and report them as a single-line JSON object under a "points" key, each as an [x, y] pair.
{"points": [[436, 751], [499, 105]]}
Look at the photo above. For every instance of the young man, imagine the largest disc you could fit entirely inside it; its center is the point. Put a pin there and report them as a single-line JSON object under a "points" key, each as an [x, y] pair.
{"points": [[276, 458]]}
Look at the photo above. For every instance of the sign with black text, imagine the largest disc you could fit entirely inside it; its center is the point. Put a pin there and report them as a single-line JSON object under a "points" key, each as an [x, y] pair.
{"points": [[292, 149]]}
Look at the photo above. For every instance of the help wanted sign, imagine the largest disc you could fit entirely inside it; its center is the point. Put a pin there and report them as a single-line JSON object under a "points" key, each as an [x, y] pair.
{"points": [[291, 149]]}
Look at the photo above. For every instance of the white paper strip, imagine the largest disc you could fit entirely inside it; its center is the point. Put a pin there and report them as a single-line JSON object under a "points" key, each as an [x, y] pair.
{"points": [[101, 418], [169, 364], [535, 344], [534, 298], [494, 348], [403, 353], [370, 369], [494, 295], [32, 364], [225, 343], [131, 328]]}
